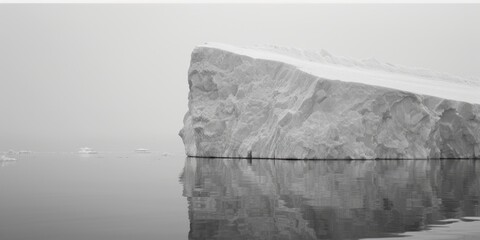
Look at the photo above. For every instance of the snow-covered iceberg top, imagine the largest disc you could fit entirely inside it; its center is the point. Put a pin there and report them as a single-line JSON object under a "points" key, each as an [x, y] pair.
{"points": [[368, 71], [272, 102]]}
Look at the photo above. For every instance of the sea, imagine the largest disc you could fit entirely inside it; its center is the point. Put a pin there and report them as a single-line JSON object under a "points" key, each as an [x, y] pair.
{"points": [[128, 195]]}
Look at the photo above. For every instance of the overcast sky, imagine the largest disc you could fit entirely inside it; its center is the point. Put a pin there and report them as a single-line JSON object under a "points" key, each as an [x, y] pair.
{"points": [[114, 77]]}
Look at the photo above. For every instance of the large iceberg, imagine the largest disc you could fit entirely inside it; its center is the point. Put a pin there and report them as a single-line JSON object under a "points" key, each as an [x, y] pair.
{"points": [[276, 102]]}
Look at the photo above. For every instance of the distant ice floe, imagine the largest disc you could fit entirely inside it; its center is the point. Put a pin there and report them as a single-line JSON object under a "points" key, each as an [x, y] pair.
{"points": [[12, 152], [142, 150], [6, 158], [87, 150]]}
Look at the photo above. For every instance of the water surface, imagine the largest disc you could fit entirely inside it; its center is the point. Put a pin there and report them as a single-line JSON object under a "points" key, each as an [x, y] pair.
{"points": [[67, 196], [273, 199], [123, 195]]}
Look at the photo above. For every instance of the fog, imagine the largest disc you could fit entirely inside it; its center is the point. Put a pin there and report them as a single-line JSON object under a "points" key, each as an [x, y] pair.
{"points": [[114, 77]]}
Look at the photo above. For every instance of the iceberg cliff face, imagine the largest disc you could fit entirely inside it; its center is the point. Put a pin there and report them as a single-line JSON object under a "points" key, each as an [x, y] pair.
{"points": [[265, 102]]}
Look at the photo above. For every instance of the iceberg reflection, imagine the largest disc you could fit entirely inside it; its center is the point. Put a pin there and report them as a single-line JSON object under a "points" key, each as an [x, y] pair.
{"points": [[275, 199]]}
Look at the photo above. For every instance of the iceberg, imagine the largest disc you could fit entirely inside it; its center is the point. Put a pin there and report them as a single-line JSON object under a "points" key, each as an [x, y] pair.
{"points": [[86, 150], [142, 150], [6, 158], [287, 103]]}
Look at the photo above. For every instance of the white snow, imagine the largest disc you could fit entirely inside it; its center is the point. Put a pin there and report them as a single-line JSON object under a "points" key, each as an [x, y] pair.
{"points": [[370, 71]]}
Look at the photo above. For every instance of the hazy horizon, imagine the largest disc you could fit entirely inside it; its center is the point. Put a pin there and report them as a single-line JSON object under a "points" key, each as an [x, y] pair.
{"points": [[114, 77]]}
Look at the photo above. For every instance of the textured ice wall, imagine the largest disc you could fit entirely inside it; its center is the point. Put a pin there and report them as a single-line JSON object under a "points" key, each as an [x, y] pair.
{"points": [[243, 105]]}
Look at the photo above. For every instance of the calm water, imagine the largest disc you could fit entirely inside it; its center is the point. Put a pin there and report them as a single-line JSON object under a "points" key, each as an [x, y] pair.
{"points": [[100, 197], [149, 196]]}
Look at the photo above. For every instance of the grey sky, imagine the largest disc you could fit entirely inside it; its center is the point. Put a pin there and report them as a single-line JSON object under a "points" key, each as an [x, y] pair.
{"points": [[114, 77]]}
